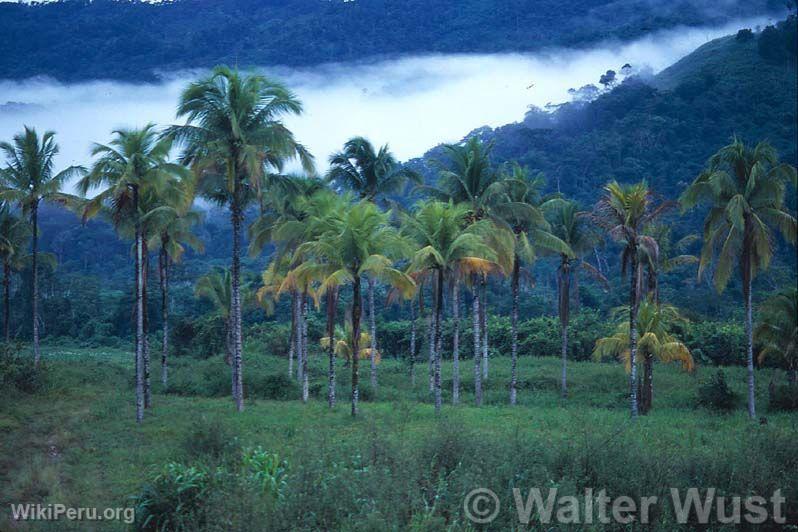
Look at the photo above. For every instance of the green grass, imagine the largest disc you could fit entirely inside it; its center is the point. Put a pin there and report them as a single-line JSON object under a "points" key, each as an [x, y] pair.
{"points": [[397, 465]]}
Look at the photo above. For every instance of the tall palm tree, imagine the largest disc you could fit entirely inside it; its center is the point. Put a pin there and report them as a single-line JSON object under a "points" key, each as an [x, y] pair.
{"points": [[524, 213], [745, 188], [573, 228], [623, 212], [14, 235], [446, 245], [233, 138], [351, 243], [29, 178], [371, 174], [654, 324], [131, 169], [777, 331]]}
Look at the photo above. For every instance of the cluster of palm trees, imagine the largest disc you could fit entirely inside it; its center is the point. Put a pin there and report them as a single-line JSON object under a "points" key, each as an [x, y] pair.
{"points": [[328, 235]]}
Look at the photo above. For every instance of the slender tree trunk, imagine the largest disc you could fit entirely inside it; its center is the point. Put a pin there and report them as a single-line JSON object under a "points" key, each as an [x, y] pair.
{"points": [[438, 324], [564, 282], [484, 310], [7, 300], [373, 334], [145, 270], [477, 338], [456, 342], [431, 338], [292, 339], [331, 304], [634, 274], [164, 270], [305, 383], [298, 335], [235, 296], [514, 331], [139, 312], [749, 334], [35, 281], [413, 343], [356, 303], [647, 389]]}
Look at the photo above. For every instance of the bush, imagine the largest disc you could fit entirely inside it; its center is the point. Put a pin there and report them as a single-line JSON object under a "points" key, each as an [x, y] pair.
{"points": [[210, 440], [173, 499], [199, 338], [715, 394], [784, 398], [718, 343], [266, 470], [278, 387], [19, 373]]}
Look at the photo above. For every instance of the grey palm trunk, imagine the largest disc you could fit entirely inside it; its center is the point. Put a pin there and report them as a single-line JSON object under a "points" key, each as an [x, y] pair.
{"points": [[564, 282], [431, 345], [235, 300], [305, 384], [514, 333], [438, 324], [356, 306], [456, 342], [484, 327], [164, 277], [412, 344], [292, 339], [634, 276], [477, 350], [331, 307], [372, 334], [35, 281], [145, 339], [139, 313], [749, 331], [298, 334]]}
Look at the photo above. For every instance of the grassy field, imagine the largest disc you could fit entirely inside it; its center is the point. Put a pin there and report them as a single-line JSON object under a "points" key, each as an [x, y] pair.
{"points": [[396, 466]]}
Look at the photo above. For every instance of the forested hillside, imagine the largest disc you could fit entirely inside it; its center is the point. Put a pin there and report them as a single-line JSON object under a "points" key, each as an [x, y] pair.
{"points": [[78, 40]]}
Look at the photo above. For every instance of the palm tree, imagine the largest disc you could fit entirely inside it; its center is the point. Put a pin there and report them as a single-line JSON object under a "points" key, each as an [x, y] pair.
{"points": [[351, 243], [29, 179], [215, 287], [372, 174], [171, 234], [623, 212], [745, 188], [671, 256], [341, 344], [573, 228], [233, 137], [654, 324], [777, 331], [14, 235], [524, 213], [446, 246], [131, 169]]}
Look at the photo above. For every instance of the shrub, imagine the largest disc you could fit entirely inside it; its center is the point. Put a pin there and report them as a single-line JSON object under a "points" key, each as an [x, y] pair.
{"points": [[716, 394], [266, 470], [719, 343], [18, 372], [211, 440], [784, 397], [278, 387], [199, 338], [173, 498]]}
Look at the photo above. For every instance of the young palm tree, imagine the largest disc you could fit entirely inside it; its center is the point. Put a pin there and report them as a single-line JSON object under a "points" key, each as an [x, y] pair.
{"points": [[351, 243], [623, 212], [524, 214], [445, 246], [671, 257], [777, 331], [371, 174], [745, 188], [14, 235], [233, 137], [654, 323], [29, 179], [573, 228], [131, 169]]}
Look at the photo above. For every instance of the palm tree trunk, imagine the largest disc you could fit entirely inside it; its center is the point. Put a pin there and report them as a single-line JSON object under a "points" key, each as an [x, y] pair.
{"points": [[331, 304], [438, 324], [647, 395], [484, 317], [292, 339], [564, 282], [164, 272], [145, 270], [477, 338], [413, 343], [456, 342], [633, 274], [514, 331], [431, 338], [749, 331], [355, 341], [139, 312], [7, 300], [35, 279], [235, 299], [298, 334], [305, 384], [373, 333]]}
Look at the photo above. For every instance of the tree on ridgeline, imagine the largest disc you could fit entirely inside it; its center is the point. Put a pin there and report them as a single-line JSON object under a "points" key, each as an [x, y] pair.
{"points": [[29, 179], [623, 212], [446, 246], [233, 137], [777, 331], [745, 188], [371, 174], [654, 324], [14, 235], [133, 165], [573, 228]]}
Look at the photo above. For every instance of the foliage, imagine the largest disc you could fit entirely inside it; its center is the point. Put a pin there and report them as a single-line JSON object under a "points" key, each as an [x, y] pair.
{"points": [[267, 470], [17, 371], [172, 498], [716, 394], [783, 398]]}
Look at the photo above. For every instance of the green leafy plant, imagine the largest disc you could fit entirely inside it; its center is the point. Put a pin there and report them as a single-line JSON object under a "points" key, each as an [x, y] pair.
{"points": [[715, 394], [266, 470]]}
